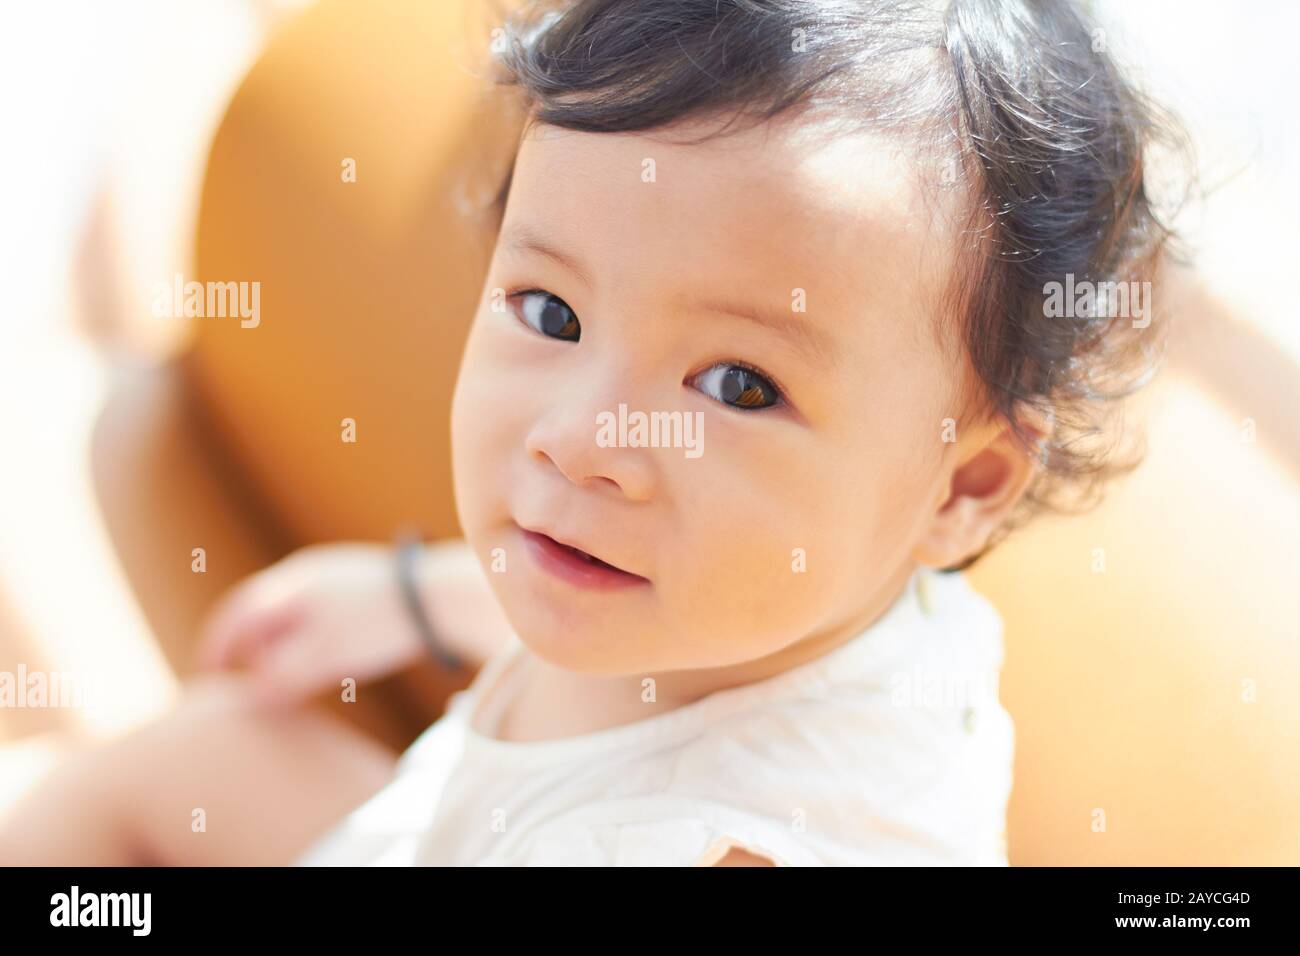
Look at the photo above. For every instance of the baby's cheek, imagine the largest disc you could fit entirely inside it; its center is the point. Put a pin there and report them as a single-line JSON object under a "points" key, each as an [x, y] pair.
{"points": [[746, 589], [482, 462]]}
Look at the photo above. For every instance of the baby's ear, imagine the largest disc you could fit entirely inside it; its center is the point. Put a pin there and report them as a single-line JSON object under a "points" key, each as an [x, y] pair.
{"points": [[992, 476]]}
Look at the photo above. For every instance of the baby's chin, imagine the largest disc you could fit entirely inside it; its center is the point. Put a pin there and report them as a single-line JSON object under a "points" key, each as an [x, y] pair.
{"points": [[613, 646], [579, 640]]}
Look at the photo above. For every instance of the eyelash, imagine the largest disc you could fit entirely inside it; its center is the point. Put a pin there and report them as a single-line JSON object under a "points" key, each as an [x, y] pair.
{"points": [[777, 387], [754, 370]]}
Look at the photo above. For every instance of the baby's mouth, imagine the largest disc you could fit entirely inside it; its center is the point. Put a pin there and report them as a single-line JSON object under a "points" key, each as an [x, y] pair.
{"points": [[575, 565], [583, 555]]}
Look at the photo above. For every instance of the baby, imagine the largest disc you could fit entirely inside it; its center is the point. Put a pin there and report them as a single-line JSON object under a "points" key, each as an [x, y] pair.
{"points": [[808, 243]]}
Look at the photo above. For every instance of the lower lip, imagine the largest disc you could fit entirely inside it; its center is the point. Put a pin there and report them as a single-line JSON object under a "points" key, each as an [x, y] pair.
{"points": [[567, 566]]}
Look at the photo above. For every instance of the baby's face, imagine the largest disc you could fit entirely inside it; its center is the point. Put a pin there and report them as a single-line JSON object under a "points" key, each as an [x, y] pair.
{"points": [[776, 292]]}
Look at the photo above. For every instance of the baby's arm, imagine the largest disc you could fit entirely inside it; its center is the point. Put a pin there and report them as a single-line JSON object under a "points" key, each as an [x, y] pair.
{"points": [[331, 612]]}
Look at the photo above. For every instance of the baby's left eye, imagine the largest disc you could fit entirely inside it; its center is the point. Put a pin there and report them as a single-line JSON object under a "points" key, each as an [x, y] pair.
{"points": [[737, 386]]}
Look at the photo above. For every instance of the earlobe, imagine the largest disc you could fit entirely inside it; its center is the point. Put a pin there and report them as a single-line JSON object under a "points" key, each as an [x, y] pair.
{"points": [[982, 493], [944, 543]]}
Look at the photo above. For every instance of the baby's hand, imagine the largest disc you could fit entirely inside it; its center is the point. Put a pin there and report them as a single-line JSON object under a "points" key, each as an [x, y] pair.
{"points": [[330, 612]]}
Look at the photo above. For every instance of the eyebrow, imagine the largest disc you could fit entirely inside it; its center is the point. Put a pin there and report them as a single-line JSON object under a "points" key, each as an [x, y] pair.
{"points": [[523, 238], [812, 342]]}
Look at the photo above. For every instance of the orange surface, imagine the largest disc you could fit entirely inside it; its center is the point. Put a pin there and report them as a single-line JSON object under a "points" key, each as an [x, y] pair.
{"points": [[366, 287], [1131, 688]]}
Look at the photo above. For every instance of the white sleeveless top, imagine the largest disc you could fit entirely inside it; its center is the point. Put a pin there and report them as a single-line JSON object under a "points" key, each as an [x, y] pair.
{"points": [[892, 749]]}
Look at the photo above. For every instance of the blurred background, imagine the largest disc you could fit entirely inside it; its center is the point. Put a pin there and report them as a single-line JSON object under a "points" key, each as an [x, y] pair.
{"points": [[150, 460]]}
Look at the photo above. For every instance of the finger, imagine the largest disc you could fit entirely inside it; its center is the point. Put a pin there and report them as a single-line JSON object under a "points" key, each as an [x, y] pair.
{"points": [[252, 614], [240, 621]]}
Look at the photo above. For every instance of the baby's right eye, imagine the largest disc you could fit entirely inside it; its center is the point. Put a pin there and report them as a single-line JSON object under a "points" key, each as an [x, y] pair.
{"points": [[548, 314]]}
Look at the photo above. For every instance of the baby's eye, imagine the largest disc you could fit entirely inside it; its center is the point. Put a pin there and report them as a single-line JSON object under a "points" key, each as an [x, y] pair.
{"points": [[548, 314], [738, 386]]}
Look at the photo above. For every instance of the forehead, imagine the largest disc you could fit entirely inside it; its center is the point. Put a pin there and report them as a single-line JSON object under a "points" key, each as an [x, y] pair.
{"points": [[763, 212]]}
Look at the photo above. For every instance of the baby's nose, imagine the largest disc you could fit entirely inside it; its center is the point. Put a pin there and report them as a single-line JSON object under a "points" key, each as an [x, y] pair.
{"points": [[571, 442]]}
